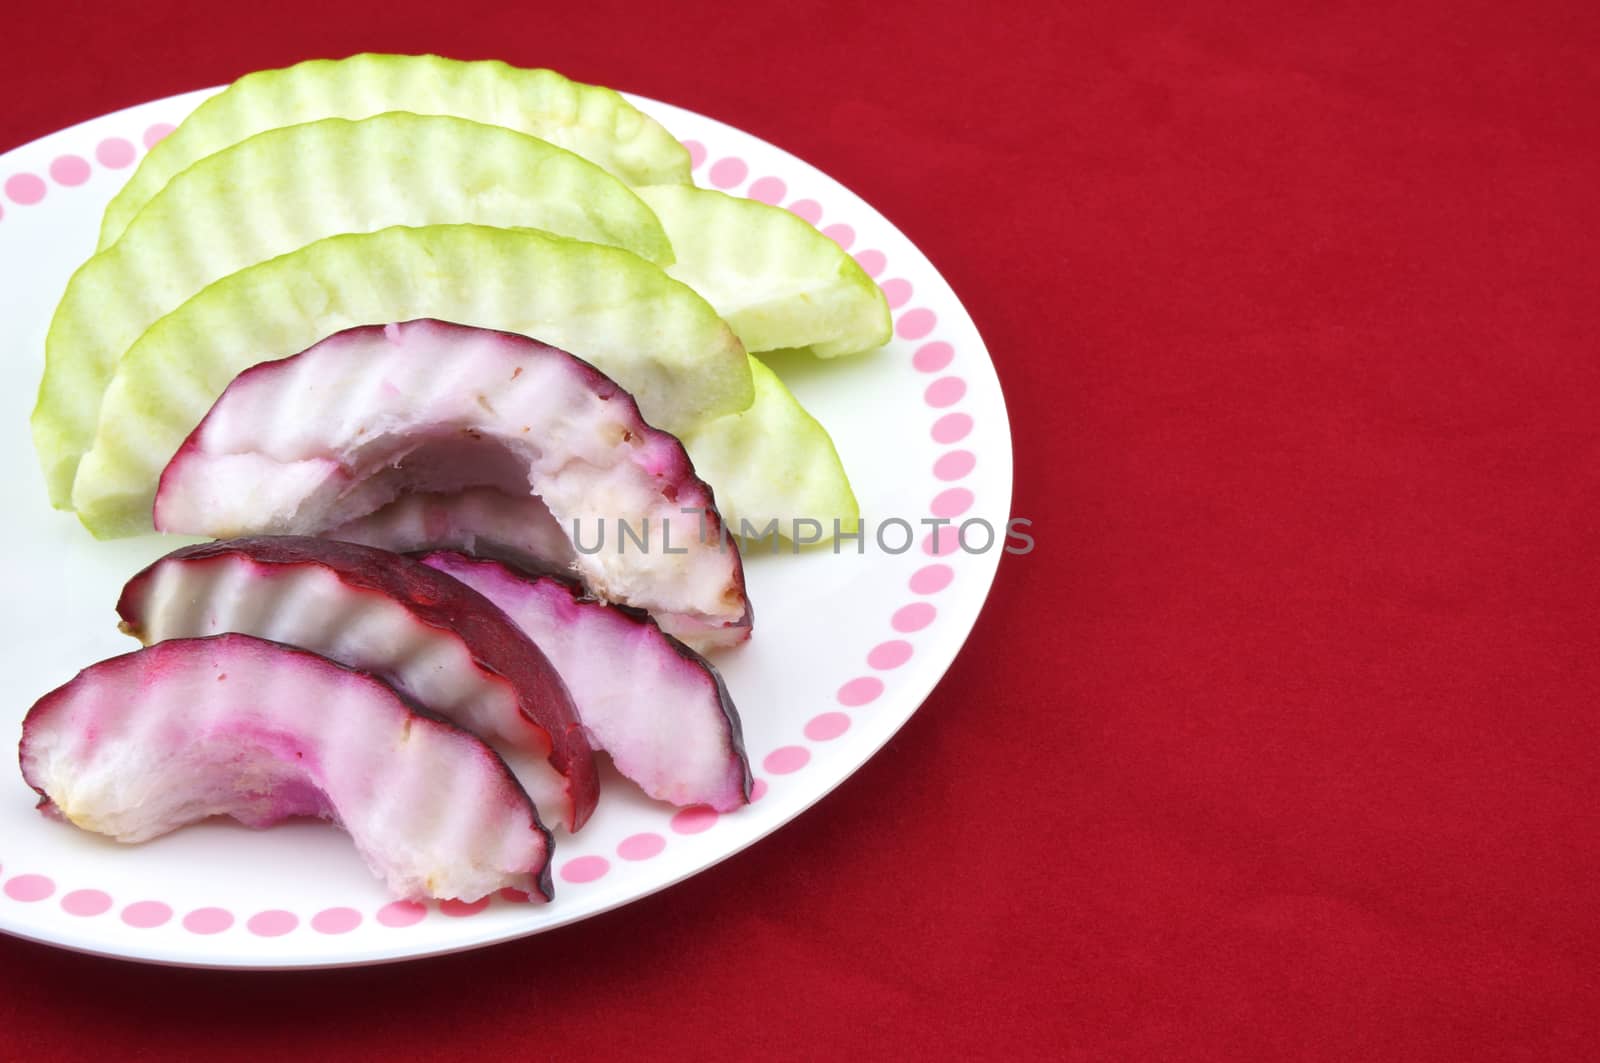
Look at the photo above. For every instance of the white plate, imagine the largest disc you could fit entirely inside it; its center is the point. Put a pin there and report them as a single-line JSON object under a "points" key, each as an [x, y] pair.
{"points": [[846, 646]]}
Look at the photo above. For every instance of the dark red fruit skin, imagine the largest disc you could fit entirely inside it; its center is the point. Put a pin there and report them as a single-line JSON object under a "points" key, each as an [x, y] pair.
{"points": [[497, 645]]}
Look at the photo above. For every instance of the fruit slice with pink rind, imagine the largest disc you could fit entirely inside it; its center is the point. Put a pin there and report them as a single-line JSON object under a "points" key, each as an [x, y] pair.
{"points": [[480, 521], [589, 120], [661, 710], [250, 203], [442, 644], [651, 334], [310, 443], [142, 744]]}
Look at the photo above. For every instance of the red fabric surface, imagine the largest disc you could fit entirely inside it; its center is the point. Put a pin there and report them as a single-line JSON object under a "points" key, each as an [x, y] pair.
{"points": [[1283, 743]]}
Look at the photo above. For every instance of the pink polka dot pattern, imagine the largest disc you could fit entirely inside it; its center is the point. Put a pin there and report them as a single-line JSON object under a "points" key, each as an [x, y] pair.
{"points": [[25, 188], [913, 617], [786, 759], [156, 134], [915, 324], [954, 465], [725, 173], [86, 902], [29, 888], [758, 790], [887, 655], [273, 923], [401, 913], [697, 153], [942, 543], [641, 846], [931, 579], [208, 921], [871, 261], [69, 170], [694, 820], [840, 234], [827, 726], [952, 503], [146, 915], [769, 190], [585, 869], [461, 909], [952, 428], [932, 357], [336, 920], [946, 391], [897, 292], [515, 896], [809, 209], [860, 691], [114, 153]]}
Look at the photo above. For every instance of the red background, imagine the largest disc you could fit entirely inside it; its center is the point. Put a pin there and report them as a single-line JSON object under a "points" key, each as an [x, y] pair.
{"points": [[1283, 743]]}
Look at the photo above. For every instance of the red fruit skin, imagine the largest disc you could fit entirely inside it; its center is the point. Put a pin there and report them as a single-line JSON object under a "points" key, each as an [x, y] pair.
{"points": [[497, 646]]}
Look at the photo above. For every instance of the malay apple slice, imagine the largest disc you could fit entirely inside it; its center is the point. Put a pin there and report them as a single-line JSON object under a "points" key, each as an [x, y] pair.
{"points": [[588, 120], [661, 710], [774, 468], [142, 744], [445, 646], [771, 275], [285, 188], [309, 443], [480, 521], [651, 334]]}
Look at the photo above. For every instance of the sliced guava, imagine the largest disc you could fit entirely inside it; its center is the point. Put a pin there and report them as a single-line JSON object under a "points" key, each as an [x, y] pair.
{"points": [[310, 443], [770, 274], [447, 647], [661, 710], [773, 466], [285, 188], [142, 744], [651, 334], [588, 120]]}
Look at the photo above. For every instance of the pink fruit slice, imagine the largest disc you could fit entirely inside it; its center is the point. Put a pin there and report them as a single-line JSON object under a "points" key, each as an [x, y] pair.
{"points": [[441, 643], [660, 709], [320, 439], [480, 521], [232, 725]]}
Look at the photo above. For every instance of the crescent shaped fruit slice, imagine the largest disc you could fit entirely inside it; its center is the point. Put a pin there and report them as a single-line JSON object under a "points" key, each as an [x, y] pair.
{"points": [[285, 188], [660, 709], [148, 742], [443, 645], [483, 522], [773, 277], [588, 120], [651, 334], [309, 443]]}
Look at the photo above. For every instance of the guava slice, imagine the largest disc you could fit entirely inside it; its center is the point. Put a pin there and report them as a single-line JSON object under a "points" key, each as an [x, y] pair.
{"points": [[648, 332], [142, 744], [773, 277], [661, 710], [285, 188], [588, 120], [774, 466], [309, 443], [445, 646]]}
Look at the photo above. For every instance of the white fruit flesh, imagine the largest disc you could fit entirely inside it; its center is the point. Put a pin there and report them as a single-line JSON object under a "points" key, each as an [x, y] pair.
{"points": [[142, 744], [591, 121], [658, 708], [480, 521], [313, 442]]}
